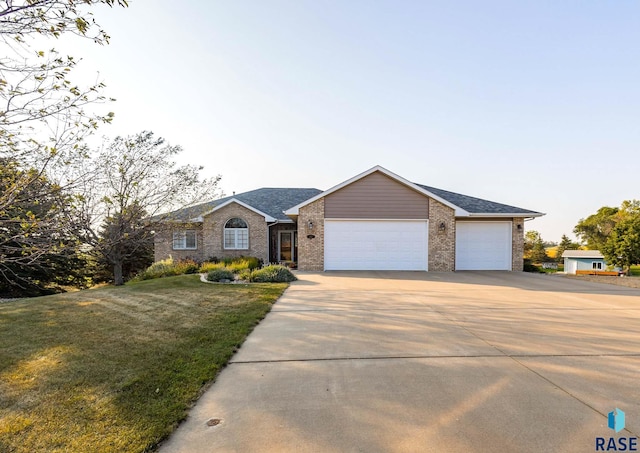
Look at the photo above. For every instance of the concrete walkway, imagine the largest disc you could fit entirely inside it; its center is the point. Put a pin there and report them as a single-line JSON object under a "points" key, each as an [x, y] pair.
{"points": [[428, 362]]}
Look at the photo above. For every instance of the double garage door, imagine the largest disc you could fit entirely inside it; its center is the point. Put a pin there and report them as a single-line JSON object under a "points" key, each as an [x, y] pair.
{"points": [[403, 245]]}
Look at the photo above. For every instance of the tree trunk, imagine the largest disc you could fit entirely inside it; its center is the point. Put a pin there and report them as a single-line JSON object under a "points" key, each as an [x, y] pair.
{"points": [[117, 273]]}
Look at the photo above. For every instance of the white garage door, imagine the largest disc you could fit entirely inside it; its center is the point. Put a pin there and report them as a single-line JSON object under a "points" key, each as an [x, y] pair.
{"points": [[375, 245], [483, 246]]}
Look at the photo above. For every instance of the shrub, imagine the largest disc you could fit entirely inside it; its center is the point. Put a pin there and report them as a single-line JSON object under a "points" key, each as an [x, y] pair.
{"points": [[237, 266], [209, 266], [220, 274], [245, 275], [186, 267], [529, 267], [158, 269], [168, 268], [240, 263], [273, 274], [253, 262]]}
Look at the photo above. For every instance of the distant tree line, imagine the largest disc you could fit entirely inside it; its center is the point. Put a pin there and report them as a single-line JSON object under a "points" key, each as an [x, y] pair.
{"points": [[614, 231]]}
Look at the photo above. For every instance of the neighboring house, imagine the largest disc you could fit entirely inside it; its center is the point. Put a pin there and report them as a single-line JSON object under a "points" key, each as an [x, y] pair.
{"points": [[583, 260], [376, 220]]}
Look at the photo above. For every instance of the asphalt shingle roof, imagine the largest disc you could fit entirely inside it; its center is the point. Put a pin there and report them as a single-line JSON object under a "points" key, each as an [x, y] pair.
{"points": [[582, 254], [272, 201], [475, 205]]}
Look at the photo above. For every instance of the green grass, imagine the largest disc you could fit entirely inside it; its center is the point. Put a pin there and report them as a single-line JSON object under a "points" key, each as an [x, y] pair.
{"points": [[115, 369]]}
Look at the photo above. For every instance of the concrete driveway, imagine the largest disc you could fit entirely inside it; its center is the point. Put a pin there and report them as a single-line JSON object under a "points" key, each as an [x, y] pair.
{"points": [[428, 362]]}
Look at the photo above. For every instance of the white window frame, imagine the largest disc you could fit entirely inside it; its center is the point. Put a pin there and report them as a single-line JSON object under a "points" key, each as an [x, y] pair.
{"points": [[236, 232], [596, 265], [181, 237]]}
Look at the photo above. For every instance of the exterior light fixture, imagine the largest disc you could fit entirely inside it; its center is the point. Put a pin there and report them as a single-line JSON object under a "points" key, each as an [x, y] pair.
{"points": [[310, 225], [442, 227], [519, 226]]}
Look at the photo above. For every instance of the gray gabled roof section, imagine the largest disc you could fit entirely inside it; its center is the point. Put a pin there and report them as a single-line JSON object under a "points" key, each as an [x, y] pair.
{"points": [[269, 200], [593, 254], [475, 205]]}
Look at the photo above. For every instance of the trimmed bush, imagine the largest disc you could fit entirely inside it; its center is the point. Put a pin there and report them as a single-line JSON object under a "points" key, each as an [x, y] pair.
{"points": [[220, 274], [273, 274]]}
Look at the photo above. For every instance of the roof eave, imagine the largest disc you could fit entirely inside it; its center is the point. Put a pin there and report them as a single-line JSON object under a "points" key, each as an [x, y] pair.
{"points": [[194, 220], [267, 217], [506, 214]]}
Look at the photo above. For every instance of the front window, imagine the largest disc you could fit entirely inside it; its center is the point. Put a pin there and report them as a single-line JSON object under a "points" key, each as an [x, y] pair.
{"points": [[236, 234], [596, 265], [184, 240]]}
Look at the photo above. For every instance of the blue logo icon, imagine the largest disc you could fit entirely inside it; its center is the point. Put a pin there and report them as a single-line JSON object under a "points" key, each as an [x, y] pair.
{"points": [[616, 420]]}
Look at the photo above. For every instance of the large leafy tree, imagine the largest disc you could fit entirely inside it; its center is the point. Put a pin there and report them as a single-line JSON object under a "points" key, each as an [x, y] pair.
{"points": [[136, 183], [623, 246], [45, 115], [594, 230], [43, 111], [615, 232]]}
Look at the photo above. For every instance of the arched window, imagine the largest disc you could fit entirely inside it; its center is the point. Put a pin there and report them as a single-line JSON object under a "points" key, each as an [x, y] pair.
{"points": [[236, 234]]}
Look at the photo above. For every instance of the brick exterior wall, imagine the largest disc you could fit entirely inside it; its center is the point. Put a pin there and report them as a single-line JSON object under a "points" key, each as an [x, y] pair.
{"points": [[311, 250], [163, 242], [517, 245], [442, 245], [210, 236], [213, 232]]}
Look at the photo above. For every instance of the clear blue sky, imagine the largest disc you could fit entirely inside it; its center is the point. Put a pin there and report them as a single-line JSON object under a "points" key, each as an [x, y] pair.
{"points": [[535, 104]]}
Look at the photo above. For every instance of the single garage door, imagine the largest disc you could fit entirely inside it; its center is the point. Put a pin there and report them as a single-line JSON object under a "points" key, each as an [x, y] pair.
{"points": [[483, 246], [375, 245]]}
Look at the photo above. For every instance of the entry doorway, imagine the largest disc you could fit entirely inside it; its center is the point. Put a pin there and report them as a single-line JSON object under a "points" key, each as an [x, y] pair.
{"points": [[288, 245]]}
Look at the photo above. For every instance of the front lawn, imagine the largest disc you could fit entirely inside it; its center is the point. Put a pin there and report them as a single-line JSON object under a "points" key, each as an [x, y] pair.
{"points": [[115, 369]]}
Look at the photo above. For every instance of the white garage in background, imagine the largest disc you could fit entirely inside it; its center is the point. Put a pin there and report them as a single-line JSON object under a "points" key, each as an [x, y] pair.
{"points": [[483, 246], [376, 245]]}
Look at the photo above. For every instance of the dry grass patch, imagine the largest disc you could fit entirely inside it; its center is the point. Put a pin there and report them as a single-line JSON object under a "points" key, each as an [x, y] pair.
{"points": [[115, 369]]}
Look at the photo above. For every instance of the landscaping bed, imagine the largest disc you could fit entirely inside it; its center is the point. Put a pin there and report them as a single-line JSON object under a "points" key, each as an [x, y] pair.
{"points": [[115, 369]]}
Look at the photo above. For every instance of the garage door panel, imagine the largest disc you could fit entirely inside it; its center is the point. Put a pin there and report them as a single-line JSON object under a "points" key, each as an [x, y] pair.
{"points": [[483, 246], [375, 245]]}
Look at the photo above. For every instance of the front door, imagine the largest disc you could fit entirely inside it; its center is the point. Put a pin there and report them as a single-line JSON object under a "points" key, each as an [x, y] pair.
{"points": [[287, 245]]}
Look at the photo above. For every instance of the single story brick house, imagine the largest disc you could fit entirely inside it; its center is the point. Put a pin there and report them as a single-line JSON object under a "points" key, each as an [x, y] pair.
{"points": [[583, 260], [376, 220]]}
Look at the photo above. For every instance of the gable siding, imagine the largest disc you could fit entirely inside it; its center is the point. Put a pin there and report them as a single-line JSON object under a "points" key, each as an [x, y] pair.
{"points": [[376, 196]]}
